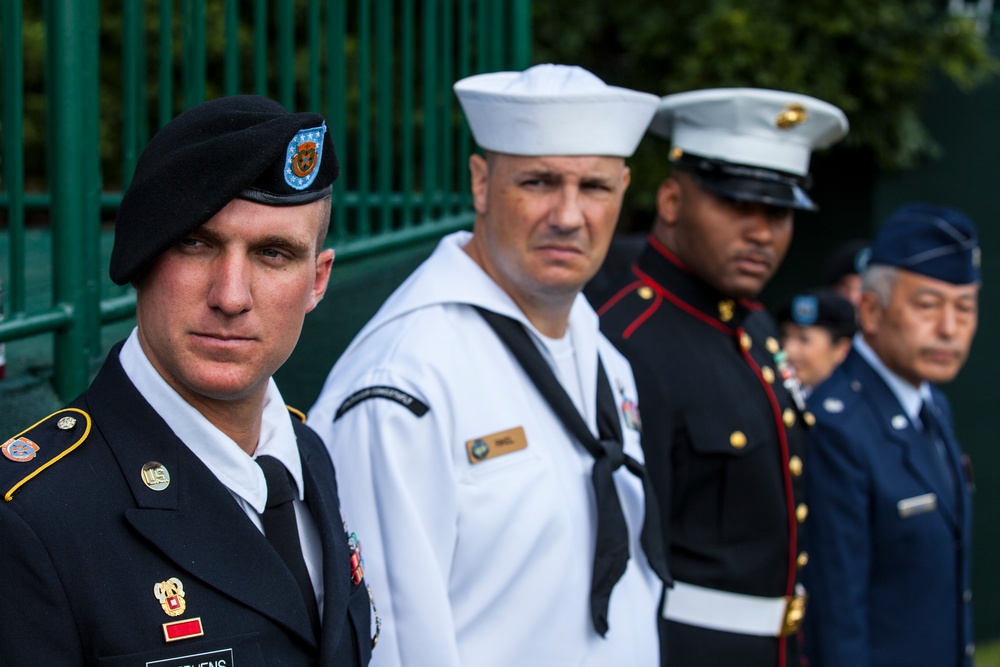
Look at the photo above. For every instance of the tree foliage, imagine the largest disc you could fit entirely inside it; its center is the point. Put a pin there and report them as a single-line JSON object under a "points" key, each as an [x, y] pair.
{"points": [[875, 60]]}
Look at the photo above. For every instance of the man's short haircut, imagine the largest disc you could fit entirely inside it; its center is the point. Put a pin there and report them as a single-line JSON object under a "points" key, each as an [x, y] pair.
{"points": [[880, 279]]}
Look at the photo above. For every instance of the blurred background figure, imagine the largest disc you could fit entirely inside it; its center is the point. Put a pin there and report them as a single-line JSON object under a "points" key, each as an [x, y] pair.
{"points": [[842, 272], [889, 489], [816, 330]]}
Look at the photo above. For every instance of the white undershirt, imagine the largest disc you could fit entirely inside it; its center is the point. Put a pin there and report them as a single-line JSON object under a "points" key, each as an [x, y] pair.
{"points": [[224, 458], [561, 354]]}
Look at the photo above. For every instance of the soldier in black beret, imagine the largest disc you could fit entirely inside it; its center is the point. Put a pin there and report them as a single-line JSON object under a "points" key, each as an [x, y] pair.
{"points": [[177, 512], [842, 271], [816, 329]]}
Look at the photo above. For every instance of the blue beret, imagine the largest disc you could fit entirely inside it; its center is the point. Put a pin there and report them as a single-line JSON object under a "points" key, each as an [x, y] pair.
{"points": [[243, 146], [819, 308], [932, 241]]}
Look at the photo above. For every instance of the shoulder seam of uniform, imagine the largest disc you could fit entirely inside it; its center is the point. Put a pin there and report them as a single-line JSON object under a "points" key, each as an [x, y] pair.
{"points": [[8, 496]]}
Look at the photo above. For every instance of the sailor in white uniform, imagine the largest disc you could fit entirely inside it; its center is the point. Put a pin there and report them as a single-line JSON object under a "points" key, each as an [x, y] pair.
{"points": [[498, 534]]}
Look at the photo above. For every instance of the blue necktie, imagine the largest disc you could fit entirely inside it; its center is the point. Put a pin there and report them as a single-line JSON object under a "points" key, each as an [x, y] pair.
{"points": [[933, 432]]}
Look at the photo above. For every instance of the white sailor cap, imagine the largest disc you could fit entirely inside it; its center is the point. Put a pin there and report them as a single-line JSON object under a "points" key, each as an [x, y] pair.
{"points": [[554, 110], [750, 144]]}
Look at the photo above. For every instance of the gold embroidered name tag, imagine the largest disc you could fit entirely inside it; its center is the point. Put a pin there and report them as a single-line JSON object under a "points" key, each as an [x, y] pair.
{"points": [[496, 444]]}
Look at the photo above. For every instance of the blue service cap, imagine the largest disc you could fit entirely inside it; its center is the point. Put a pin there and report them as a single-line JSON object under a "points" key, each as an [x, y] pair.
{"points": [[932, 241]]}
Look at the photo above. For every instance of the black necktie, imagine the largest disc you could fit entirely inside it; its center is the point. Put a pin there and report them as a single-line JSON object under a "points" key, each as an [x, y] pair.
{"points": [[611, 552], [282, 531], [932, 429]]}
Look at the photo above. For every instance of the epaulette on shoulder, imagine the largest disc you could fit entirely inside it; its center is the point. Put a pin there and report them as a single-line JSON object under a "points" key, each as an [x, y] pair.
{"points": [[298, 414], [628, 308], [30, 452]]}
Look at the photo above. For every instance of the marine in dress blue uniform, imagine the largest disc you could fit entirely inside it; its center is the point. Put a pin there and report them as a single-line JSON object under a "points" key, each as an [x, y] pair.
{"points": [[889, 489], [724, 426], [119, 544]]}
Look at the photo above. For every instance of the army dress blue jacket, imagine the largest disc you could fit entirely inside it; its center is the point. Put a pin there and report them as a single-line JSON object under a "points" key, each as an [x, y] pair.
{"points": [[890, 545], [98, 567]]}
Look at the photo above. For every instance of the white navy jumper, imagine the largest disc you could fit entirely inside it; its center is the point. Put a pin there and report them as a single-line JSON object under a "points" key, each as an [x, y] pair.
{"points": [[484, 563]]}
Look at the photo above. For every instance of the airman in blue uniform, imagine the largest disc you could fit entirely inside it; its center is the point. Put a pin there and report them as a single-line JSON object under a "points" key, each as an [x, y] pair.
{"points": [[890, 491]]}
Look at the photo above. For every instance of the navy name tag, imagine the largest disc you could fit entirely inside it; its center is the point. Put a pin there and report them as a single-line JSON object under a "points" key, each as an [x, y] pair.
{"points": [[220, 658]]}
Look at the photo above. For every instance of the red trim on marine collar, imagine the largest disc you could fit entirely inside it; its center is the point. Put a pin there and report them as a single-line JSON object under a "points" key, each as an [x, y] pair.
{"points": [[619, 295], [674, 259], [683, 305]]}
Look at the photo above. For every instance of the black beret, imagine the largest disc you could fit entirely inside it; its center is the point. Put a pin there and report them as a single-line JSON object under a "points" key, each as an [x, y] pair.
{"points": [[932, 241], [846, 259], [820, 308], [244, 146]]}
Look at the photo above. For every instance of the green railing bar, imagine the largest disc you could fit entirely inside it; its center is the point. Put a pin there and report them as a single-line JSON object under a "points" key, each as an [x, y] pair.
{"points": [[364, 114], [430, 104], [284, 27], [193, 32], [521, 52], [231, 63], [11, 17], [90, 173], [166, 58], [22, 326], [337, 119], [407, 73], [482, 36], [499, 32], [349, 250], [384, 81], [133, 99], [118, 308], [465, 41], [314, 83], [447, 79], [259, 47], [111, 200], [67, 28]]}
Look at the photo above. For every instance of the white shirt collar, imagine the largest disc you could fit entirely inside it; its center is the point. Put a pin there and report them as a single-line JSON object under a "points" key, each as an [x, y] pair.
{"points": [[215, 449], [910, 397]]}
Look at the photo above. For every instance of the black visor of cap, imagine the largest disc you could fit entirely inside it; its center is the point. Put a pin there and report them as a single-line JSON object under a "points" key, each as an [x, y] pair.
{"points": [[751, 184]]}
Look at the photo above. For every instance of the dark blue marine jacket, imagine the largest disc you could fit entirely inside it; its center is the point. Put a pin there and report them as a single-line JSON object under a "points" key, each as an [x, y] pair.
{"points": [[888, 575], [85, 541]]}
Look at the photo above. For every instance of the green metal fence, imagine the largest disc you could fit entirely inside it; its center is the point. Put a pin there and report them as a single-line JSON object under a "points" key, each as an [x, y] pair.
{"points": [[379, 70]]}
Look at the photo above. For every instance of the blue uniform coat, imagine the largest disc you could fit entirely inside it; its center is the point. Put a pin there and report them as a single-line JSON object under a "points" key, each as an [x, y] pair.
{"points": [[888, 582], [84, 542]]}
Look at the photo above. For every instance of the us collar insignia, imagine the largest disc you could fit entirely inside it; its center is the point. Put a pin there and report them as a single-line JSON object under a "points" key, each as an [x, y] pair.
{"points": [[303, 157], [155, 475], [20, 449], [170, 593], [726, 309]]}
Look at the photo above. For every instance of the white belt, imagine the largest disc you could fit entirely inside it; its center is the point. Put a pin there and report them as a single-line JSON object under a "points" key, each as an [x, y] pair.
{"points": [[734, 612]]}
